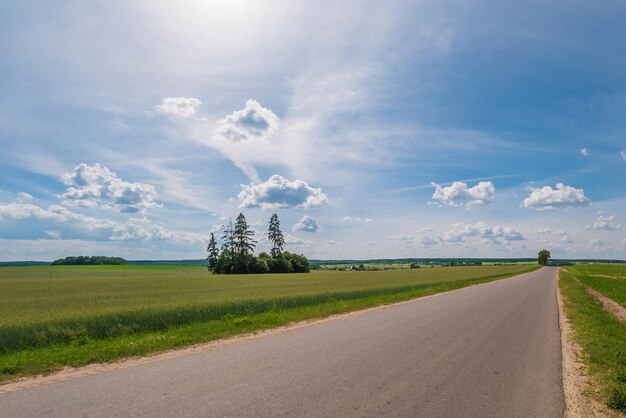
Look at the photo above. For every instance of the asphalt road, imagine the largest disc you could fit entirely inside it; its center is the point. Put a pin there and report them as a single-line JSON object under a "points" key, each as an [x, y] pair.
{"points": [[485, 351]]}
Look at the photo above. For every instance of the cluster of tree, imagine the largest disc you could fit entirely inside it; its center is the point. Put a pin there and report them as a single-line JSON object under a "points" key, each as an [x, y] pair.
{"points": [[237, 252], [83, 260]]}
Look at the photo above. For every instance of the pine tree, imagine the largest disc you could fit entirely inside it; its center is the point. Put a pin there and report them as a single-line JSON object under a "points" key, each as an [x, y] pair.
{"points": [[213, 253], [243, 237], [276, 237], [244, 244], [228, 239]]}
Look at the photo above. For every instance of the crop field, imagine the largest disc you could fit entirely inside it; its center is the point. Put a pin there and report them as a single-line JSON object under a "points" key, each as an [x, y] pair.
{"points": [[610, 280], [51, 317]]}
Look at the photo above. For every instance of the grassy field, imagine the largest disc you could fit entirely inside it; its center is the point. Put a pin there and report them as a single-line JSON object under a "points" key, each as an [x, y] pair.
{"points": [[601, 336], [610, 280], [56, 316]]}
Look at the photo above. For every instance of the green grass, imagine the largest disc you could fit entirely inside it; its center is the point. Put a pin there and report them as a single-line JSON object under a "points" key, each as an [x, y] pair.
{"points": [[610, 280], [56, 316], [602, 338]]}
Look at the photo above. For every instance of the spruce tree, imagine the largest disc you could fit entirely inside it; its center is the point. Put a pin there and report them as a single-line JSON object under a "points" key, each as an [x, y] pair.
{"points": [[244, 243], [276, 237], [213, 253], [243, 237]]}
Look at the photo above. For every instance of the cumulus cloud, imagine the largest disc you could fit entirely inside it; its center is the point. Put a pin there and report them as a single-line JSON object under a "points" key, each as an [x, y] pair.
{"points": [[184, 107], [495, 234], [427, 241], [279, 192], [458, 194], [543, 231], [306, 224], [93, 185], [331, 242], [254, 122], [410, 240], [623, 153], [584, 152], [297, 242], [607, 223], [357, 219], [596, 244], [60, 222], [562, 196], [402, 238]]}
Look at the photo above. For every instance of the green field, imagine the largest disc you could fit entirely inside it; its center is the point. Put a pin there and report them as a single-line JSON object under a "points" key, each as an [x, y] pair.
{"points": [[601, 336], [74, 315], [610, 280]]}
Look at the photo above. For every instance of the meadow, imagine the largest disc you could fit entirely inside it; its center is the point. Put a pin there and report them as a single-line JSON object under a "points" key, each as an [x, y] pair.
{"points": [[610, 280], [74, 315]]}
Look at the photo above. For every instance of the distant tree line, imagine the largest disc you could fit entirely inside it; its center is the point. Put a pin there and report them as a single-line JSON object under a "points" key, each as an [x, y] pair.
{"points": [[83, 260], [236, 255]]}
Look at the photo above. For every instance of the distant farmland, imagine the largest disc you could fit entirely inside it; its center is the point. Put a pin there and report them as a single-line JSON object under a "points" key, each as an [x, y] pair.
{"points": [[74, 315]]}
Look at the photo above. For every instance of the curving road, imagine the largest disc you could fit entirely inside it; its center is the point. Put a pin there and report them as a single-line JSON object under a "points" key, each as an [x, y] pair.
{"points": [[485, 351]]}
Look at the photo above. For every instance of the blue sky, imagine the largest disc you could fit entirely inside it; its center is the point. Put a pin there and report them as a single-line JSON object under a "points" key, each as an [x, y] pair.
{"points": [[393, 129]]}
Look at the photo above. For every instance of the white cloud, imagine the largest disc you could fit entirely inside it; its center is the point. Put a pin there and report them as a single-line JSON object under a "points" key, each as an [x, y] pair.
{"points": [[357, 219], [596, 244], [24, 197], [427, 241], [458, 194], [331, 242], [495, 234], [54, 234], [184, 107], [402, 238], [623, 153], [297, 242], [562, 196], [306, 224], [584, 152], [606, 222], [279, 192], [254, 122], [59, 222], [543, 231], [90, 185]]}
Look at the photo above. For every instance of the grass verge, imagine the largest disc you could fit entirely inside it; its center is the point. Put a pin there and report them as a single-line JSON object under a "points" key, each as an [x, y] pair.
{"points": [[24, 357], [603, 341]]}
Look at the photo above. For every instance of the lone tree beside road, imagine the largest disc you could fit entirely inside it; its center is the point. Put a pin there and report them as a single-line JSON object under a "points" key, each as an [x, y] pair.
{"points": [[543, 257]]}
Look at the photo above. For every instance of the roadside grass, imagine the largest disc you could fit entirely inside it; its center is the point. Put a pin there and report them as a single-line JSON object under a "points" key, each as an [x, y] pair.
{"points": [[80, 338], [602, 338], [610, 280]]}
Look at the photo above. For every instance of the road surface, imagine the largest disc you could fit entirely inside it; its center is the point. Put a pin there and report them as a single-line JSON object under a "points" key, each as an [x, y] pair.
{"points": [[484, 351]]}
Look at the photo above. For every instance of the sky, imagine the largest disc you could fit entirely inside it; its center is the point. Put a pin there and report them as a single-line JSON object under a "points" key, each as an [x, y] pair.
{"points": [[474, 128]]}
